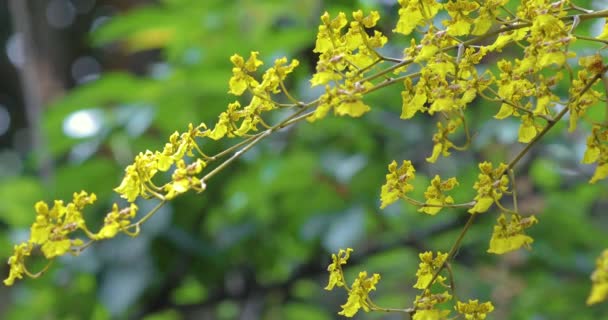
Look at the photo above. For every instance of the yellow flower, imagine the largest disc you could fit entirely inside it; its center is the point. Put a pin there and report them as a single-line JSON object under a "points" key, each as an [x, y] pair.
{"points": [[329, 32], [599, 278], [241, 73], [473, 310], [413, 98], [490, 186], [487, 14], [184, 178], [273, 76], [509, 236], [17, 262], [397, 182], [52, 227], [442, 144], [597, 151], [358, 296], [336, 276], [425, 306], [116, 220], [434, 195], [459, 10], [428, 267], [528, 129], [414, 13], [138, 175]]}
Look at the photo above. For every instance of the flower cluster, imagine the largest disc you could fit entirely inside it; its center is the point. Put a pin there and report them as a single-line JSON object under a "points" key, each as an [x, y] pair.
{"points": [[397, 182], [473, 310], [344, 58], [240, 121], [336, 275], [358, 292], [435, 197], [491, 184], [53, 227], [428, 268], [52, 231], [426, 304]]}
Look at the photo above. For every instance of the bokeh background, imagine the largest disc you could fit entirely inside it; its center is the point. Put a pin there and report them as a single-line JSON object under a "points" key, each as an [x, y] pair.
{"points": [[87, 84]]}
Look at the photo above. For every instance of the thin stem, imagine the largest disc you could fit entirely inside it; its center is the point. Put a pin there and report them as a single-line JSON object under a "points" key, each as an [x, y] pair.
{"points": [[590, 39], [80, 249], [236, 155], [605, 83], [39, 273], [289, 96], [513, 189], [448, 267], [390, 81], [429, 205], [147, 216], [453, 249]]}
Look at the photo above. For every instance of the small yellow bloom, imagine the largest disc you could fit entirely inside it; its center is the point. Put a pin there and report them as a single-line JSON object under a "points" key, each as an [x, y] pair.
{"points": [[428, 267], [358, 296], [397, 182], [528, 129], [435, 197], [473, 310], [17, 262], [414, 13], [241, 73], [116, 220], [509, 236], [490, 186], [336, 276], [425, 305]]}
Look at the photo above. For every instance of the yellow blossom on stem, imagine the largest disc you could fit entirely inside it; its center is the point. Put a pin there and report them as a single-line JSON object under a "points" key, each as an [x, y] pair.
{"points": [[53, 226], [597, 152], [414, 13], [115, 221], [425, 306], [427, 269], [184, 178], [459, 10], [599, 279], [137, 176], [17, 262], [509, 236], [473, 310], [528, 129], [397, 182], [490, 186], [442, 144], [358, 296], [434, 195], [336, 276], [241, 73], [487, 14]]}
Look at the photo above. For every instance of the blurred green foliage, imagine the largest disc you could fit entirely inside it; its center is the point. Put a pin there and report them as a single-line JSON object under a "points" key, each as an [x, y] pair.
{"points": [[257, 241]]}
